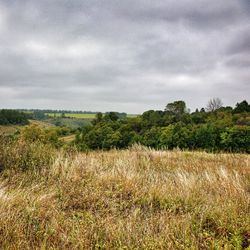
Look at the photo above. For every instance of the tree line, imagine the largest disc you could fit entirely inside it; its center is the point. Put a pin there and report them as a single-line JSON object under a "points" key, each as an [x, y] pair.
{"points": [[214, 128], [13, 117]]}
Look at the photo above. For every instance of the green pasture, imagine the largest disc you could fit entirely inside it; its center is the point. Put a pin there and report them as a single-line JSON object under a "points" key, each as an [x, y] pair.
{"points": [[80, 116], [72, 115]]}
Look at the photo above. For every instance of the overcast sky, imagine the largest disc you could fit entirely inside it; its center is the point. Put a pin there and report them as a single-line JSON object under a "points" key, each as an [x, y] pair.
{"points": [[123, 55]]}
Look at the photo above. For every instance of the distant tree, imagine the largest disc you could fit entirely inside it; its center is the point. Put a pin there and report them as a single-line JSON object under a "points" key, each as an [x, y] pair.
{"points": [[225, 109], [214, 104], [39, 115], [174, 127], [242, 107], [177, 107], [13, 117], [111, 116], [98, 118], [152, 118], [199, 117]]}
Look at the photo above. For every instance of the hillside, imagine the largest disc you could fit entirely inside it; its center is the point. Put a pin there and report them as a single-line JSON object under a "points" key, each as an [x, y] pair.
{"points": [[12, 129], [128, 199]]}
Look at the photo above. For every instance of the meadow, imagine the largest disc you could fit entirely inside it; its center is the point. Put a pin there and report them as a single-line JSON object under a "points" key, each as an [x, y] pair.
{"points": [[81, 116], [136, 198], [72, 115]]}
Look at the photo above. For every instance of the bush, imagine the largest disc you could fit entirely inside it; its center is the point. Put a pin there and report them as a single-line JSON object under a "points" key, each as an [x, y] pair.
{"points": [[25, 156], [236, 139], [34, 133]]}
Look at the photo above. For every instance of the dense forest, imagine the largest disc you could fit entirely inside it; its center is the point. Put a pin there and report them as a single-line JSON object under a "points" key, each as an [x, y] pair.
{"points": [[215, 128]]}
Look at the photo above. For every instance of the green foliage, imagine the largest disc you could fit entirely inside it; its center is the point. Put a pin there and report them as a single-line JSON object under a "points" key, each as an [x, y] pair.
{"points": [[111, 116], [206, 137], [172, 128], [34, 133], [98, 118], [236, 139], [151, 137], [242, 107], [39, 115], [167, 137], [177, 107], [72, 123], [13, 117]]}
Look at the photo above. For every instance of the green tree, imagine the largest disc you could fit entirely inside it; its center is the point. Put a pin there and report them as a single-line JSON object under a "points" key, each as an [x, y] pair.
{"points": [[151, 137], [111, 116], [177, 107], [167, 137], [242, 107], [98, 118], [236, 139]]}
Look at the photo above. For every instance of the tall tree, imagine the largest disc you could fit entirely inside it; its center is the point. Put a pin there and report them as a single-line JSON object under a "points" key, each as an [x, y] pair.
{"points": [[177, 107], [242, 107], [214, 104]]}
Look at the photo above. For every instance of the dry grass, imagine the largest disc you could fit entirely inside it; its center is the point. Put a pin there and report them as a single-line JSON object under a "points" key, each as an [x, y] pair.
{"points": [[9, 130], [130, 199]]}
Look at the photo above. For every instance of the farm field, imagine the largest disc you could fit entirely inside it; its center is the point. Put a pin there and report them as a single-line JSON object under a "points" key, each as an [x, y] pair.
{"points": [[72, 115], [132, 115], [125, 199], [81, 116]]}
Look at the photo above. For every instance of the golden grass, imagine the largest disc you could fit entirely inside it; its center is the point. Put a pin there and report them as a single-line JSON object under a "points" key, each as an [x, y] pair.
{"points": [[9, 129], [131, 199], [68, 138], [41, 124]]}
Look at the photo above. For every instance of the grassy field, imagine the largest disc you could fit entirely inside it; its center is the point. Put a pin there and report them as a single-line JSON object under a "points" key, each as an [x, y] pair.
{"points": [[81, 116], [131, 199], [73, 115], [42, 124], [9, 130], [132, 115]]}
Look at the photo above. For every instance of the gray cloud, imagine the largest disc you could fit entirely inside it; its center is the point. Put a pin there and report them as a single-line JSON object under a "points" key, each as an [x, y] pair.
{"points": [[123, 55]]}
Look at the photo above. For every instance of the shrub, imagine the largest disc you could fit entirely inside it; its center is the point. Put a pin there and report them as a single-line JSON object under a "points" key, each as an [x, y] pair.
{"points": [[23, 155], [236, 139]]}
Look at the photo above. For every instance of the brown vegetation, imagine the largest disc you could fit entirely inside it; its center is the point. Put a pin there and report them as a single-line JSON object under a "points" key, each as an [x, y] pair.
{"points": [[131, 199]]}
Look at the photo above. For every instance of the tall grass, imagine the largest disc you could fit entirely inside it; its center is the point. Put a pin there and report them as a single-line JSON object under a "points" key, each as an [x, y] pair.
{"points": [[130, 199]]}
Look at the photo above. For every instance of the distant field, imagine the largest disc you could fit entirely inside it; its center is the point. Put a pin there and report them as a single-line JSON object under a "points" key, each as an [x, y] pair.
{"points": [[132, 115], [73, 115], [81, 116]]}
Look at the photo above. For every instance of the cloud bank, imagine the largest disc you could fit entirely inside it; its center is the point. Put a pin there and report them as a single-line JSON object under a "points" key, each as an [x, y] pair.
{"points": [[123, 55]]}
